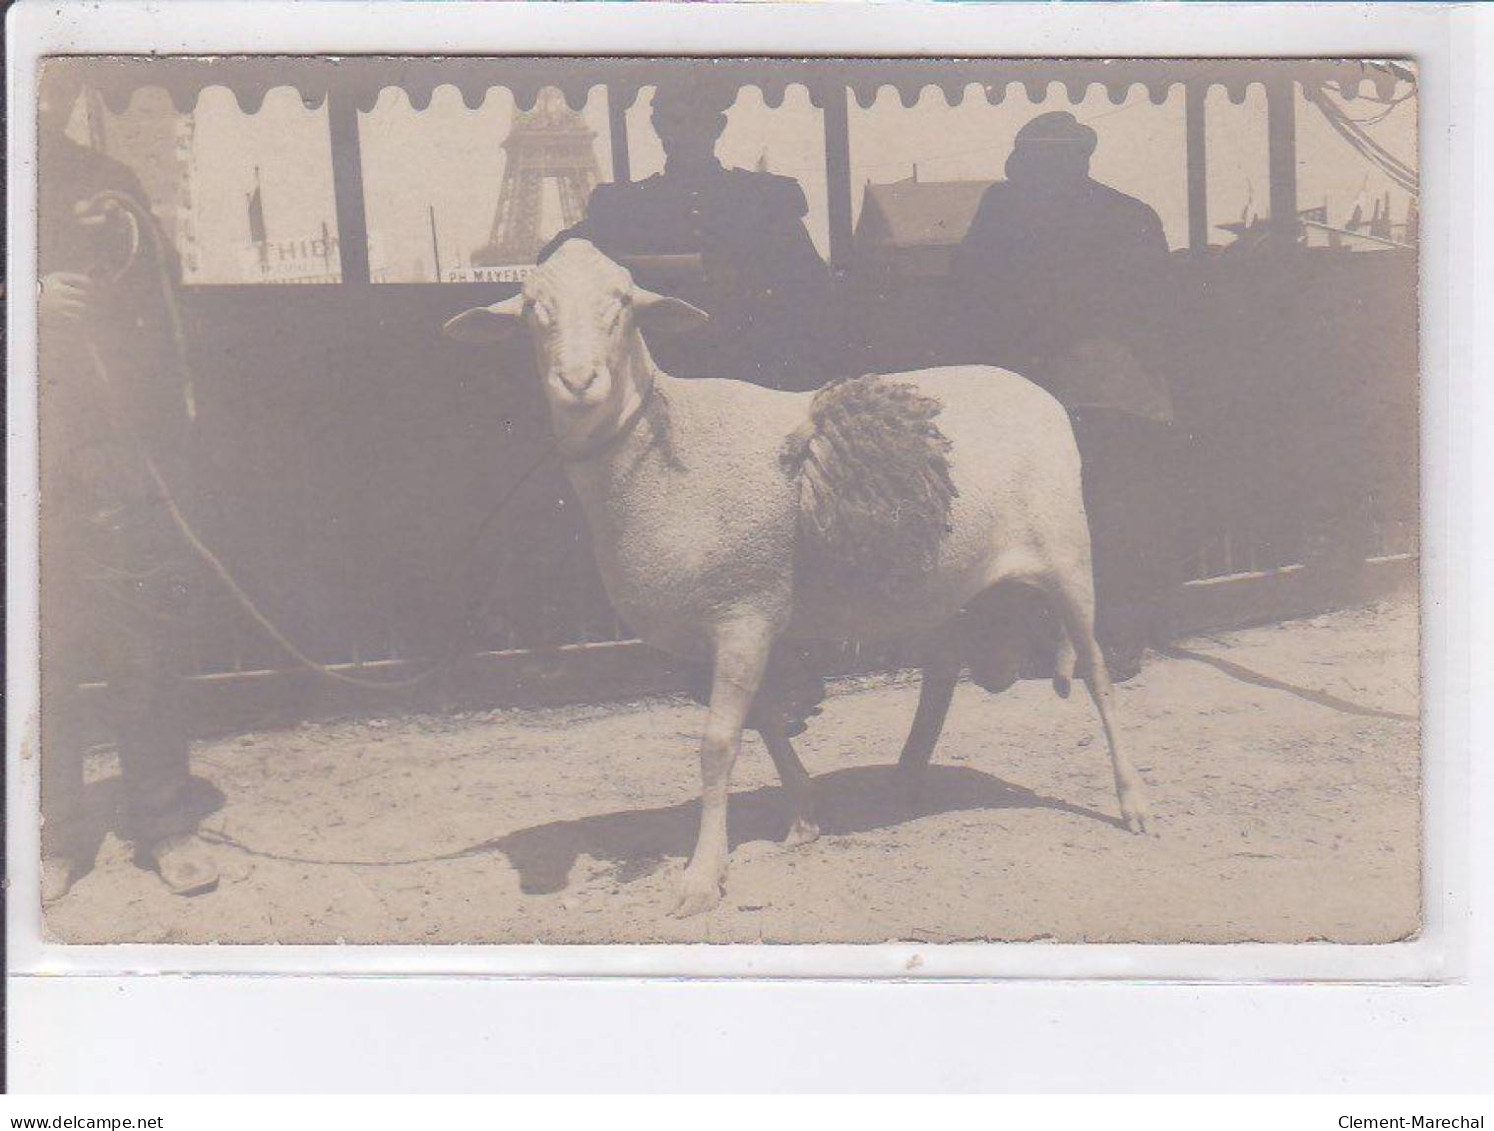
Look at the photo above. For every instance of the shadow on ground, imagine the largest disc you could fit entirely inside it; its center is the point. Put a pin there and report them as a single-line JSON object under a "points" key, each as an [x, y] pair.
{"points": [[853, 800]]}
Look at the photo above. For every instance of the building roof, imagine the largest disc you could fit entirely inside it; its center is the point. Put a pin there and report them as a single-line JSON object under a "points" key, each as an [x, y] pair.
{"points": [[918, 213]]}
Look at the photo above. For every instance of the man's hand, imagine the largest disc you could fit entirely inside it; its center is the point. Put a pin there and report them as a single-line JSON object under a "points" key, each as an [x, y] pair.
{"points": [[66, 296]]}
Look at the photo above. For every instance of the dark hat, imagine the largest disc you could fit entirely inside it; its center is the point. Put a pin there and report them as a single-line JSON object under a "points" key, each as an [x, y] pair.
{"points": [[1057, 128], [693, 98]]}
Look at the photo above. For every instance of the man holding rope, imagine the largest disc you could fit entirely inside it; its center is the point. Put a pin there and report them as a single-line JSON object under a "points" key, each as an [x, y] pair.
{"points": [[115, 577]]}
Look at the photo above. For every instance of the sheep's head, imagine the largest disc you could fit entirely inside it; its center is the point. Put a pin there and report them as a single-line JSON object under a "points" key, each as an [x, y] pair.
{"points": [[584, 315]]}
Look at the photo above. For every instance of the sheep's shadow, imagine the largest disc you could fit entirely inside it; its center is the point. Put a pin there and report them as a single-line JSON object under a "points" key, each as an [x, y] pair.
{"points": [[853, 800]]}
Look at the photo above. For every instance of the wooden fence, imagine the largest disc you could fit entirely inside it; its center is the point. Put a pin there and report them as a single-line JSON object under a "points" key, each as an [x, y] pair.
{"points": [[350, 459]]}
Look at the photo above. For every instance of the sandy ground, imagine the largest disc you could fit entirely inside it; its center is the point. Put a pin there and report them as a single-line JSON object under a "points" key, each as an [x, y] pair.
{"points": [[1283, 816]]}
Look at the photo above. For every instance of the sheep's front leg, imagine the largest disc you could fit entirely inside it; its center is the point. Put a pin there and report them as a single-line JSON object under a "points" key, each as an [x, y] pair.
{"points": [[741, 656]]}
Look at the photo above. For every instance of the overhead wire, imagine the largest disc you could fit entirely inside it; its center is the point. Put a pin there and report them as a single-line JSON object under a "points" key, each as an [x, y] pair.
{"points": [[1353, 132]]}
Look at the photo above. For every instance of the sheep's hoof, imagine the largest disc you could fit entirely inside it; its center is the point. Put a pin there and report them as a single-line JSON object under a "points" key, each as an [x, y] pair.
{"points": [[803, 832], [1138, 815], [697, 894]]}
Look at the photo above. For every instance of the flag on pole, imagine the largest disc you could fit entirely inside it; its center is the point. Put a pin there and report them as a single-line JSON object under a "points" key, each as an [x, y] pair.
{"points": [[257, 212], [256, 217], [257, 224]]}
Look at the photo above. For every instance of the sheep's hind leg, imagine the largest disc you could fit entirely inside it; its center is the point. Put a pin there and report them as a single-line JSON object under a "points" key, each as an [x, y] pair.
{"points": [[940, 675], [1064, 664], [797, 784], [741, 655], [1075, 603]]}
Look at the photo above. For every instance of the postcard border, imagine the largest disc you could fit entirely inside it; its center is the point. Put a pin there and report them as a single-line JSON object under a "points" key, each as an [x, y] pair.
{"points": [[1439, 954]]}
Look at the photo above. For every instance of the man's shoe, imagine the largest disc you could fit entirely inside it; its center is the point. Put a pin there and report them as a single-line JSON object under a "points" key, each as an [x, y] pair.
{"points": [[185, 863], [58, 874]]}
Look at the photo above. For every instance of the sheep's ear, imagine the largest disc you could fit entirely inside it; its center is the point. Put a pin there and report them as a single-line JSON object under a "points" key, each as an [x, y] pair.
{"points": [[667, 315], [487, 323]]}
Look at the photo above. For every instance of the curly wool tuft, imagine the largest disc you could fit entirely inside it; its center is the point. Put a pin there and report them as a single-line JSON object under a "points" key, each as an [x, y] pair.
{"points": [[874, 481]]}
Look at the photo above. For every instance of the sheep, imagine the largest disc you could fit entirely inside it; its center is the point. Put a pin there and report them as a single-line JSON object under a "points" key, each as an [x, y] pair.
{"points": [[695, 495]]}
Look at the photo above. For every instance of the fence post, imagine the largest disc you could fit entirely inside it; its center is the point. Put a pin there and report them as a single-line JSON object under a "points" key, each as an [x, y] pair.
{"points": [[838, 170], [1198, 175], [347, 184], [1281, 140], [617, 128]]}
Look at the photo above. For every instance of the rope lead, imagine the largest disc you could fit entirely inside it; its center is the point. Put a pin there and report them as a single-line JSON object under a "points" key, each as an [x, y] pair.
{"points": [[139, 225]]}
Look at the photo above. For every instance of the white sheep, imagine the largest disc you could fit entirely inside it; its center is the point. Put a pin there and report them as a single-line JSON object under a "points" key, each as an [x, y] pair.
{"points": [[697, 525]]}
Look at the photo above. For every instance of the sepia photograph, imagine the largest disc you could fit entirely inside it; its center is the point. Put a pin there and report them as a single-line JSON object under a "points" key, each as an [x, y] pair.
{"points": [[639, 499]]}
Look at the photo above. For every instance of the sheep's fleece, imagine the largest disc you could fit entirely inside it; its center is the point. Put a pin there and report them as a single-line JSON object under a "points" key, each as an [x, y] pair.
{"points": [[874, 484], [875, 494]]}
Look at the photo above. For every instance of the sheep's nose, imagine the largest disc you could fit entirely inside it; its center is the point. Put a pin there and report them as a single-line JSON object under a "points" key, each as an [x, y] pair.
{"points": [[576, 388]]}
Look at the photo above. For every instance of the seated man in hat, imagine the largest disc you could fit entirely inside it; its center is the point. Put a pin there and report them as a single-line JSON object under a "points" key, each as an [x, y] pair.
{"points": [[1056, 280], [759, 276]]}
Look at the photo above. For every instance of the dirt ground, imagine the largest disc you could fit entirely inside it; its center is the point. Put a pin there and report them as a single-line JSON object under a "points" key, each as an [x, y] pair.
{"points": [[1284, 764]]}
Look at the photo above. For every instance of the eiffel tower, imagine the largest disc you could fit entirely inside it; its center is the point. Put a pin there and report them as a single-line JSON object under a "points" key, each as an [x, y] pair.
{"points": [[548, 145]]}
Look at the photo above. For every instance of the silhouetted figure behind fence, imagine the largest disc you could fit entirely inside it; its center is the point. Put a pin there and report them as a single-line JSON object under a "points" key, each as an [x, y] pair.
{"points": [[759, 276], [1057, 280]]}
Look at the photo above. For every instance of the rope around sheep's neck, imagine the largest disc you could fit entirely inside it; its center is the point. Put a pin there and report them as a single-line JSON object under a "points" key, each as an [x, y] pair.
{"points": [[642, 363], [613, 437]]}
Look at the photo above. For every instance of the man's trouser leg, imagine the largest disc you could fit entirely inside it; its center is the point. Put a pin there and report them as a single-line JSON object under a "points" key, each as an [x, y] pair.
{"points": [[146, 710], [64, 822], [115, 609], [1131, 532], [65, 662]]}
